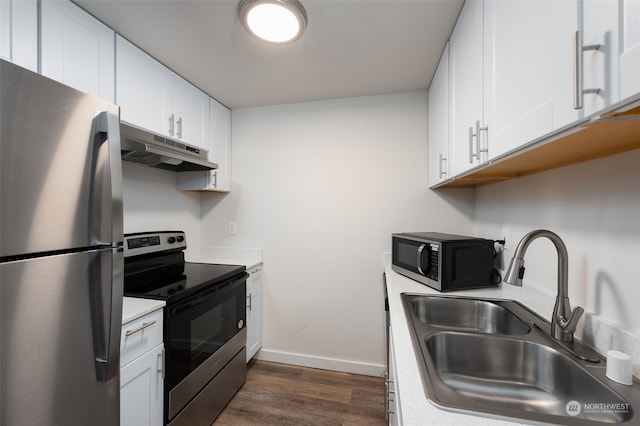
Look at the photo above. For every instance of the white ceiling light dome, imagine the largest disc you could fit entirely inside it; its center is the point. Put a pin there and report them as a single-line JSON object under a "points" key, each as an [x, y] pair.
{"points": [[273, 21]]}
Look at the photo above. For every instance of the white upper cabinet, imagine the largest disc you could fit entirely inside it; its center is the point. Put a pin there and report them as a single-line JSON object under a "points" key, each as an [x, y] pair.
{"points": [[438, 121], [630, 49], [528, 65], [191, 109], [77, 49], [219, 152], [468, 133], [153, 97], [19, 32], [143, 88]]}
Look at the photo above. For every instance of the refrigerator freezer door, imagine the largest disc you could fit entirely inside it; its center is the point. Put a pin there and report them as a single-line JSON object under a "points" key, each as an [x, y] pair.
{"points": [[51, 339], [60, 167]]}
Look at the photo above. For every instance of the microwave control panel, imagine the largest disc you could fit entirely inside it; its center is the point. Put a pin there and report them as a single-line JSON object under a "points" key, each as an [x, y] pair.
{"points": [[434, 256]]}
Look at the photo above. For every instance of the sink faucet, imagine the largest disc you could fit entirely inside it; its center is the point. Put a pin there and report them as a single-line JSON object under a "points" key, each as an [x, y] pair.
{"points": [[563, 321]]}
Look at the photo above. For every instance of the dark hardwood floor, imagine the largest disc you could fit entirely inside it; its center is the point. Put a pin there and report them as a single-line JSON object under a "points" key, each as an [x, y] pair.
{"points": [[280, 394]]}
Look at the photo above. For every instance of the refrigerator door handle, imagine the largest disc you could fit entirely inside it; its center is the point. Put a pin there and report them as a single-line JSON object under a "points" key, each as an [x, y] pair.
{"points": [[105, 211], [106, 288]]}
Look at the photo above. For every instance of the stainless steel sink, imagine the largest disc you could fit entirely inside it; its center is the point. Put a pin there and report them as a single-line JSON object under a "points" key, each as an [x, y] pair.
{"points": [[493, 357], [472, 315]]}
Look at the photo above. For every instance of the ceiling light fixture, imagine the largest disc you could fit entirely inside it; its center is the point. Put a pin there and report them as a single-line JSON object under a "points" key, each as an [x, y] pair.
{"points": [[274, 21]]}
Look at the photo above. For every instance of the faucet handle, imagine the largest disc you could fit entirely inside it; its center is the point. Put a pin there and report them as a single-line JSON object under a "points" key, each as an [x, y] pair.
{"points": [[568, 325]]}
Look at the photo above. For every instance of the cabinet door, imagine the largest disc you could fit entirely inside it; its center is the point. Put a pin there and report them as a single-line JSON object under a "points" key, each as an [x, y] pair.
{"points": [[191, 111], [630, 49], [77, 49], [220, 151], [466, 63], [19, 32], [143, 89], [254, 321], [142, 391], [600, 27], [438, 121], [518, 71]]}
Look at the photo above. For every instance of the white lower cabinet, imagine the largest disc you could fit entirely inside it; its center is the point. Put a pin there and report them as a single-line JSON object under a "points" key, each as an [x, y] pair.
{"points": [[254, 311], [141, 392], [392, 397], [142, 371]]}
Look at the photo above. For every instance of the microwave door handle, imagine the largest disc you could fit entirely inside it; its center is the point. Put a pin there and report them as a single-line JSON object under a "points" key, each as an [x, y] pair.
{"points": [[420, 253]]}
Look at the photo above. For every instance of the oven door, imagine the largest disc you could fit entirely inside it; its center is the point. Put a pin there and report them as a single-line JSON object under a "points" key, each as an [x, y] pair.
{"points": [[197, 328]]}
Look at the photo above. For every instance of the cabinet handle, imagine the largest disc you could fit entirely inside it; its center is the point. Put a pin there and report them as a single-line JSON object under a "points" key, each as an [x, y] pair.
{"points": [[171, 125], [161, 362], [179, 132], [479, 148], [578, 70], [142, 327], [249, 300], [442, 171], [214, 178], [471, 154]]}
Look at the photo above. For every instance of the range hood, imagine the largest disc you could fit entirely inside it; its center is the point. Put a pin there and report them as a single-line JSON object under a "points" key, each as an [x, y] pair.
{"points": [[144, 147]]}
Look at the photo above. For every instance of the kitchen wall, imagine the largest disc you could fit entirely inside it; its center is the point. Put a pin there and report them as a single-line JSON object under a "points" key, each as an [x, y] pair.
{"points": [[595, 208], [321, 186], [151, 202]]}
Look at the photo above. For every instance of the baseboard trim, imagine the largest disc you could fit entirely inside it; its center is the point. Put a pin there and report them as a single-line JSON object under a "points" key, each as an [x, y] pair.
{"points": [[365, 369]]}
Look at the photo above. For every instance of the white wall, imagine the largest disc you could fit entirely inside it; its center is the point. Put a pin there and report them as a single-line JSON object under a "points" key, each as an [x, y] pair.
{"points": [[320, 187], [151, 202], [595, 208]]}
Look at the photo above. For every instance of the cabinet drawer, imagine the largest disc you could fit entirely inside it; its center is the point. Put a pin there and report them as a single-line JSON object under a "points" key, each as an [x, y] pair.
{"points": [[140, 336]]}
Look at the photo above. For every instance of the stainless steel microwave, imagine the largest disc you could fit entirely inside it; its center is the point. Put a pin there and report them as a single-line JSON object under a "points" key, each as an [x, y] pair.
{"points": [[443, 261]]}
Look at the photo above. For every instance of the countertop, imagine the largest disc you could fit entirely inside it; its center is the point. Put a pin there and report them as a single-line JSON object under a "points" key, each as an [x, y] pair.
{"points": [[249, 257], [416, 409], [134, 308]]}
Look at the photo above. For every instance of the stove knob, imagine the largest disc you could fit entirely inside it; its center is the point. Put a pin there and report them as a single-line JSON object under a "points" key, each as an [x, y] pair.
{"points": [[171, 240], [180, 238], [171, 291], [179, 288]]}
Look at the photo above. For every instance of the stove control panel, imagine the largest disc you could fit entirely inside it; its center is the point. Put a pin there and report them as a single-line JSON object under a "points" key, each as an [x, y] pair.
{"points": [[153, 242]]}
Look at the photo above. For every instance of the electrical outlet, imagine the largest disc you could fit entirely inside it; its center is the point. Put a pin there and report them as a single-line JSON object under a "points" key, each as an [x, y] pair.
{"points": [[232, 228]]}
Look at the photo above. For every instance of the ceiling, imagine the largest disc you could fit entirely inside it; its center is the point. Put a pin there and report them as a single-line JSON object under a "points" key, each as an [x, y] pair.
{"points": [[350, 48]]}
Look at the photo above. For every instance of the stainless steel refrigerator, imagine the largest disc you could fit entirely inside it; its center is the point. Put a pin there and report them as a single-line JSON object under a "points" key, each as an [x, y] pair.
{"points": [[61, 260]]}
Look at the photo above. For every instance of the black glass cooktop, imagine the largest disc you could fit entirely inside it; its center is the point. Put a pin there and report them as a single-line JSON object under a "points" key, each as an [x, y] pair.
{"points": [[177, 281]]}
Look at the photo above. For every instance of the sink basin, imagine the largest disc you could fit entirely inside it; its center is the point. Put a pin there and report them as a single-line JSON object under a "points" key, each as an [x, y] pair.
{"points": [[497, 357], [472, 315], [518, 375]]}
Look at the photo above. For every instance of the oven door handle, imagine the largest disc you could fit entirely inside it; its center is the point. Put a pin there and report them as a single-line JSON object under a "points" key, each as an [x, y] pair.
{"points": [[204, 297]]}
